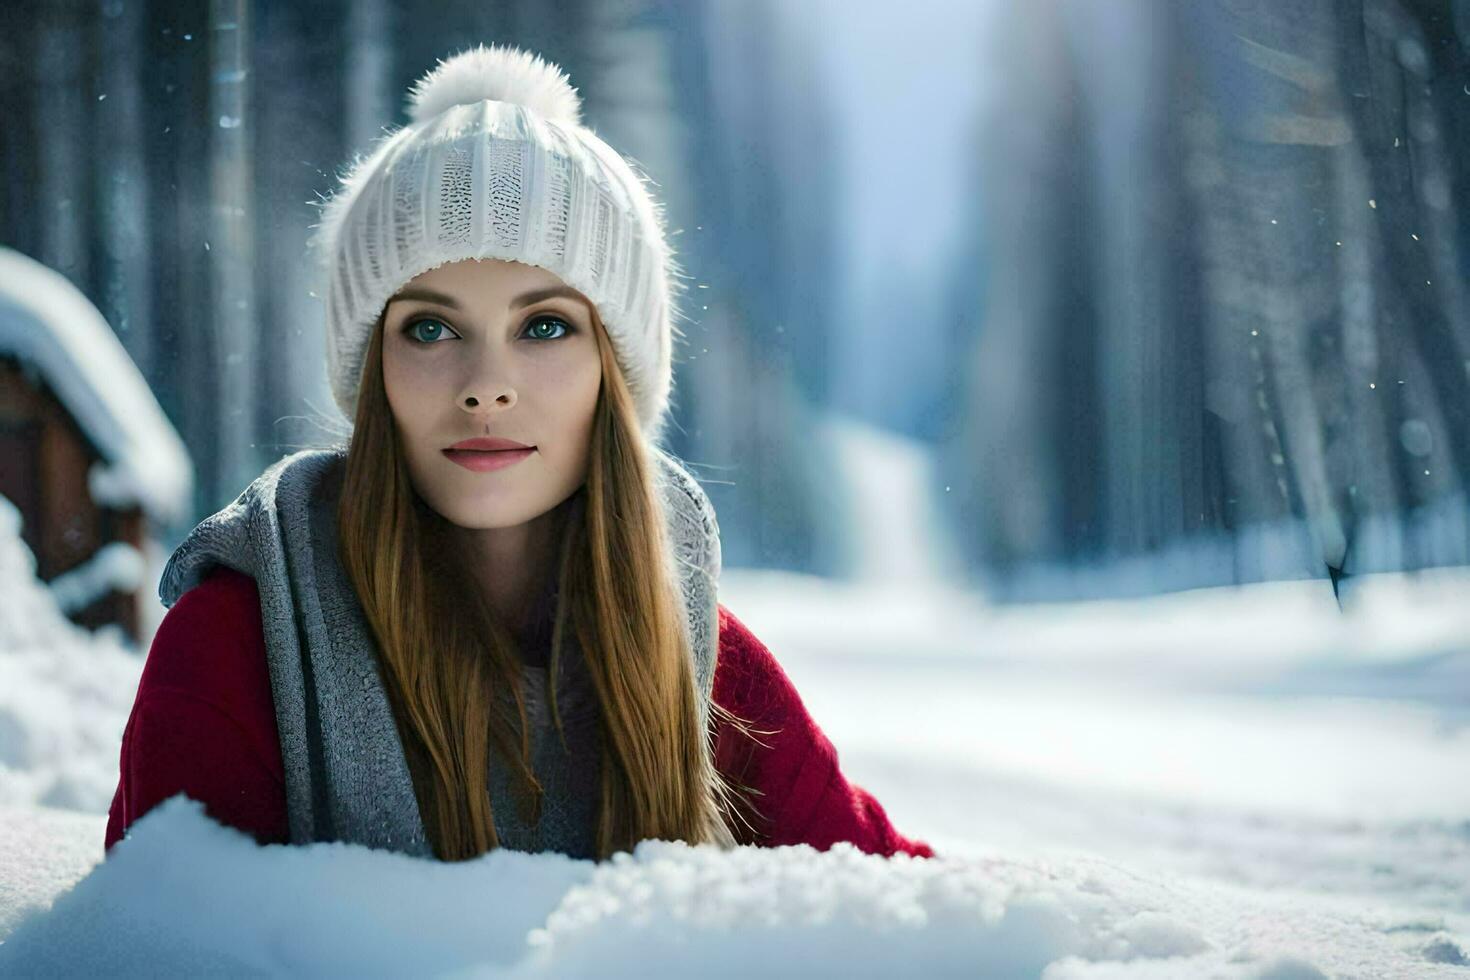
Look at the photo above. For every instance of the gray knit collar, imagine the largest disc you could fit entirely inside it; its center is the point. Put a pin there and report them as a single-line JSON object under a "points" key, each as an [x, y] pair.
{"points": [[346, 777]]}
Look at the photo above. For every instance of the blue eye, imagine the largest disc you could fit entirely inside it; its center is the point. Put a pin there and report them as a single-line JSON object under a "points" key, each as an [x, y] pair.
{"points": [[429, 336], [533, 330], [434, 330]]}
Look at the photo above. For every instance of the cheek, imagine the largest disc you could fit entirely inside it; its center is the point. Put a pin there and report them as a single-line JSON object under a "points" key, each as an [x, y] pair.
{"points": [[397, 374], [408, 381], [409, 391], [568, 387]]}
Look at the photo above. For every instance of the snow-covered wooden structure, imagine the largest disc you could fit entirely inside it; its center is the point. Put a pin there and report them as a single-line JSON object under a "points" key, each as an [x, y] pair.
{"points": [[87, 455]]}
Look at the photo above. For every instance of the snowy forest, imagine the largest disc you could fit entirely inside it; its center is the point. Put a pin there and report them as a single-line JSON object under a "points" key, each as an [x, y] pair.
{"points": [[1185, 293], [1083, 388]]}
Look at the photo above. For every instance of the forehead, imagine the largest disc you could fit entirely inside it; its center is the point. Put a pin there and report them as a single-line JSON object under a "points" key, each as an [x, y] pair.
{"points": [[488, 284], [486, 277]]}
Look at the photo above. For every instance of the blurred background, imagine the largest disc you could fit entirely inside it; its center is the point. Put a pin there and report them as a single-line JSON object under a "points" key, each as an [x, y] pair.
{"points": [[1122, 335], [1063, 299]]}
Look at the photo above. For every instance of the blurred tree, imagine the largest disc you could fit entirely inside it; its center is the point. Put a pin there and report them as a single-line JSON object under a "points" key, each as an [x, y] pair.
{"points": [[168, 159], [1225, 317]]}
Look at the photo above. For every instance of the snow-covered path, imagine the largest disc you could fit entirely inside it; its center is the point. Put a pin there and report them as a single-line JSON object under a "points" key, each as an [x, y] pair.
{"points": [[1112, 750], [1018, 798]]}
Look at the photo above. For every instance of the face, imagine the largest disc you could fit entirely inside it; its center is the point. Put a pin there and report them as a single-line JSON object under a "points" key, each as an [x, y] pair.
{"points": [[487, 348]]}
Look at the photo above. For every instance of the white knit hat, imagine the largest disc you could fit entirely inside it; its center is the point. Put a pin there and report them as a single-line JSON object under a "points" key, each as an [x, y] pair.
{"points": [[496, 163]]}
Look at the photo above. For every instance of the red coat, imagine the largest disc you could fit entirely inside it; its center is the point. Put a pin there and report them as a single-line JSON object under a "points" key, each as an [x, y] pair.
{"points": [[205, 725]]}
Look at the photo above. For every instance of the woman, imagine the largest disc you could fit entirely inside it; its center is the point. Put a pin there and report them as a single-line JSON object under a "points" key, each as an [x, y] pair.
{"points": [[490, 620]]}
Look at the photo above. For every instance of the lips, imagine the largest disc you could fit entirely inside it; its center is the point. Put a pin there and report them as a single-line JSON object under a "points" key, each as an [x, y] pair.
{"points": [[483, 460], [488, 444]]}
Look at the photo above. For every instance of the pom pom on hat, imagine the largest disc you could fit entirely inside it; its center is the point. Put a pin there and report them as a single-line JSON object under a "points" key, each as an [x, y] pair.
{"points": [[499, 72]]}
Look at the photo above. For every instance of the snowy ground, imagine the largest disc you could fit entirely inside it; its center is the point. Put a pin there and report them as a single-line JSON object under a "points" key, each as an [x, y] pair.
{"points": [[1228, 783]]}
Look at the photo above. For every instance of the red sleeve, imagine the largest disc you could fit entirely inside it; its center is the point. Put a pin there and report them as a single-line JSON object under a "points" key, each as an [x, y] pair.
{"points": [[203, 722], [801, 795]]}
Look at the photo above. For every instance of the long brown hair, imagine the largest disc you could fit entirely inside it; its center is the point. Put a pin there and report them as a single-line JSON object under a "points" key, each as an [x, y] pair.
{"points": [[451, 669]]}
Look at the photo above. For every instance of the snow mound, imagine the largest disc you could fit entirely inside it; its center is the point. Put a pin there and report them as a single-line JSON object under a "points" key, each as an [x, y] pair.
{"points": [[65, 692], [183, 895]]}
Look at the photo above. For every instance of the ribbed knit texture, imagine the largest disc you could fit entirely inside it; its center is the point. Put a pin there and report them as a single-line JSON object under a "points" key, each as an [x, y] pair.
{"points": [[346, 776]]}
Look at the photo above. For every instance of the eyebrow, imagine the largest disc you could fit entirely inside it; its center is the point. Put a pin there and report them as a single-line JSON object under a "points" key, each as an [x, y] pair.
{"points": [[525, 299]]}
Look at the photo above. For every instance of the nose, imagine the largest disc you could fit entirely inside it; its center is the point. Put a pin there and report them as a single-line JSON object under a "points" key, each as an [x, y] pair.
{"points": [[507, 398], [487, 391], [488, 384]]}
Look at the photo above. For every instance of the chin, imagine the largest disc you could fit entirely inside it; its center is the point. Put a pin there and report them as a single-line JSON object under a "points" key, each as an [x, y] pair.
{"points": [[473, 515]]}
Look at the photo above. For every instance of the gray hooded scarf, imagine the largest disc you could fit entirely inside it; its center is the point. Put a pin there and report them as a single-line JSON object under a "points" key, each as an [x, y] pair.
{"points": [[346, 775]]}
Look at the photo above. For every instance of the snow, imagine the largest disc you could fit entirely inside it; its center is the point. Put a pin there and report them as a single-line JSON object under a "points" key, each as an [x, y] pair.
{"points": [[157, 907], [50, 327], [115, 567], [1392, 631], [65, 693], [1230, 783]]}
